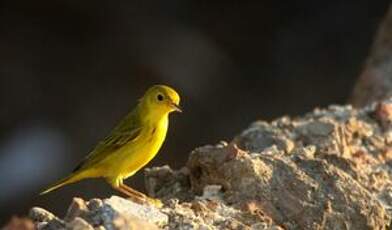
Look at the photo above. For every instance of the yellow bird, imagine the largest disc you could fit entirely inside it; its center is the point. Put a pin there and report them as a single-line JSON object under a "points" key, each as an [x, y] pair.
{"points": [[131, 144]]}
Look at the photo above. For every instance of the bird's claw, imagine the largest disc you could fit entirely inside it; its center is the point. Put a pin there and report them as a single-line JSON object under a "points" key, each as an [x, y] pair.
{"points": [[155, 202], [146, 200]]}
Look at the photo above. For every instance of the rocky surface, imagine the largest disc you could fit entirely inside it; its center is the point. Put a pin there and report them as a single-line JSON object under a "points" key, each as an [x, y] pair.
{"points": [[330, 169]]}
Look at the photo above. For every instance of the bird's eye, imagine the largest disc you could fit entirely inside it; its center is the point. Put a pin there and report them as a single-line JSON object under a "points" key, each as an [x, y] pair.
{"points": [[160, 97]]}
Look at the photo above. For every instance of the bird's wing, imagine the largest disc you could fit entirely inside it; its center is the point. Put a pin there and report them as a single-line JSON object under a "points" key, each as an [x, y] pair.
{"points": [[126, 131]]}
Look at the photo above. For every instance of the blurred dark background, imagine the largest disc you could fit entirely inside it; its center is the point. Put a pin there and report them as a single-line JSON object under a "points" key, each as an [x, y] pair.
{"points": [[69, 70]]}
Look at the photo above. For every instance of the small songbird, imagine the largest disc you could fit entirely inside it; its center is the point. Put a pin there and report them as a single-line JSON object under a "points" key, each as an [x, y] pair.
{"points": [[130, 145]]}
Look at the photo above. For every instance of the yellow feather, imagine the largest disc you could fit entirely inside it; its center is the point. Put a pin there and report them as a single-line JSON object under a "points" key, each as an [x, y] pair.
{"points": [[133, 143]]}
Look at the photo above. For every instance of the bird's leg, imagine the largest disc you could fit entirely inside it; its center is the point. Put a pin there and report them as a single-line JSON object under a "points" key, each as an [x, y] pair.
{"points": [[153, 201], [133, 191], [116, 184], [132, 196]]}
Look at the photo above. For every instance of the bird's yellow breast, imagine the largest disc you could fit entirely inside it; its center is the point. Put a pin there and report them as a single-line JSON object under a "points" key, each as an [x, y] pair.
{"points": [[137, 153]]}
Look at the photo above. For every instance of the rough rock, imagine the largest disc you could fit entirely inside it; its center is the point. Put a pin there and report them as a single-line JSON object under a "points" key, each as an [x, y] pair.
{"points": [[17, 223], [128, 208], [79, 224], [112, 213], [329, 169]]}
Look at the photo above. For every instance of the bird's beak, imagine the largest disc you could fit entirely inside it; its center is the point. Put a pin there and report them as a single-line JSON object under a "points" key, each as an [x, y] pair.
{"points": [[176, 107]]}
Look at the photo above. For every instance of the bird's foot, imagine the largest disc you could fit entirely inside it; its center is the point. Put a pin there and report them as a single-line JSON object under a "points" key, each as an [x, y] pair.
{"points": [[146, 200], [139, 197], [155, 202]]}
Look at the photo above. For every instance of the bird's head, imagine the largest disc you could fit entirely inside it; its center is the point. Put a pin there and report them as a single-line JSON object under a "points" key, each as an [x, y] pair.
{"points": [[161, 99]]}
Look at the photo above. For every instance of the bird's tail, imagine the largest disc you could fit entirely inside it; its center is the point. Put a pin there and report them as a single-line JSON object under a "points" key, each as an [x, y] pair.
{"points": [[74, 177]]}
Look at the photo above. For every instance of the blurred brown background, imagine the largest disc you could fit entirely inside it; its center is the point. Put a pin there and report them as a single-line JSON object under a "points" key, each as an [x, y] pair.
{"points": [[69, 70]]}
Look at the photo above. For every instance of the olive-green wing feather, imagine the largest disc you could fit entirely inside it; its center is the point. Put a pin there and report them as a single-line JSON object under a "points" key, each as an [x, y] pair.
{"points": [[126, 131]]}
